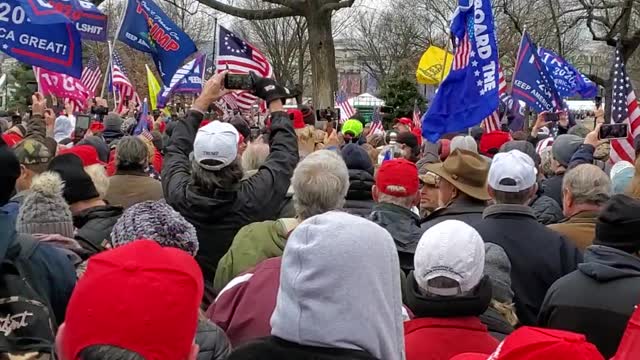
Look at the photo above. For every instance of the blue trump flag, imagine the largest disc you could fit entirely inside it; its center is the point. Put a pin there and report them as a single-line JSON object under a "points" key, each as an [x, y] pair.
{"points": [[145, 27], [188, 79], [470, 92], [35, 33], [569, 81], [531, 81]]}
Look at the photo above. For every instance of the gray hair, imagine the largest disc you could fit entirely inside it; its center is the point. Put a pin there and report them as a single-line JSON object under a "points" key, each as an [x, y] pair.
{"points": [[254, 155], [320, 183], [405, 202], [131, 154], [588, 184], [209, 181], [464, 143]]}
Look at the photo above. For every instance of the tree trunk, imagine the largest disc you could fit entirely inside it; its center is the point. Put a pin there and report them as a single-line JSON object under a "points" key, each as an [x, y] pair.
{"points": [[322, 52]]}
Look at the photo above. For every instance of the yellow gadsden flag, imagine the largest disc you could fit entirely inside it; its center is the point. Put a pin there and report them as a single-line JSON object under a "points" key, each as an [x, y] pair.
{"points": [[154, 88], [434, 66]]}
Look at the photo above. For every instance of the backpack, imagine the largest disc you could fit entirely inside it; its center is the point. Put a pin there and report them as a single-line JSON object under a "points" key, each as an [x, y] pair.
{"points": [[27, 322]]}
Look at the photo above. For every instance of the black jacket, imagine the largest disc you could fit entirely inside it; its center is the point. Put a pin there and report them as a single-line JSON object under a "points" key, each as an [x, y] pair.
{"points": [[218, 216], [359, 200], [497, 325], [546, 209], [552, 187], [465, 209], [404, 227], [94, 227], [597, 299], [539, 256], [274, 348], [212, 341]]}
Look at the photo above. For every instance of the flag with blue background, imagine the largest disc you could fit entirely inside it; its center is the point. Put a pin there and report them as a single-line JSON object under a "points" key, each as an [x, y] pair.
{"points": [[569, 81]]}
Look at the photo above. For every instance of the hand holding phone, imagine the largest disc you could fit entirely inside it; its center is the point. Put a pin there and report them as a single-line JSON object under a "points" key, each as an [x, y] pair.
{"points": [[238, 82], [613, 131]]}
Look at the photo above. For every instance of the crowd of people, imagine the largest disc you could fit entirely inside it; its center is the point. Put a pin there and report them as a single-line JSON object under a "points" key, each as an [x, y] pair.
{"points": [[197, 238]]}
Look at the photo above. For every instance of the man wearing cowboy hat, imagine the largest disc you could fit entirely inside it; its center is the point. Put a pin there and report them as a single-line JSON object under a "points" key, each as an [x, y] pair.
{"points": [[462, 188]]}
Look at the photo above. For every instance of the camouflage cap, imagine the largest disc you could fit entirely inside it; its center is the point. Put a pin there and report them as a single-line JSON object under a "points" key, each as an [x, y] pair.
{"points": [[32, 151]]}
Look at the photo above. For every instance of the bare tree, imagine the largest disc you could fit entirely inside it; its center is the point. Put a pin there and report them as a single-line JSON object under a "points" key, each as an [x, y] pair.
{"points": [[318, 15]]}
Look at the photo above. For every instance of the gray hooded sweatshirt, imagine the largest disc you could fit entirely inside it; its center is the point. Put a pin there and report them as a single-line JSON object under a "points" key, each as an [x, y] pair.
{"points": [[339, 287]]}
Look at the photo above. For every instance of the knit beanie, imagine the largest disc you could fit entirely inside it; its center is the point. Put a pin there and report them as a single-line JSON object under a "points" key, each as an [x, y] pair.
{"points": [[112, 122], [78, 184], [498, 268], [621, 174], [357, 158], [62, 128], [618, 225], [564, 146], [44, 210], [157, 221]]}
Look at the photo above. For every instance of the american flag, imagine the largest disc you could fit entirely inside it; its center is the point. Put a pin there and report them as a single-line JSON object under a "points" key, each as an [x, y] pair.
{"points": [[91, 75], [240, 57], [463, 52], [376, 121], [624, 109], [417, 123], [346, 109], [492, 122], [120, 81]]}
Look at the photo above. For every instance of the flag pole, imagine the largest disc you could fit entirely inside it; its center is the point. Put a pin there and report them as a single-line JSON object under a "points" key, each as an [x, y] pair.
{"points": [[213, 49], [106, 78]]}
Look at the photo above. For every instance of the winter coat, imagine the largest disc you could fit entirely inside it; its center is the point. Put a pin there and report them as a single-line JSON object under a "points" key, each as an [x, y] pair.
{"points": [[580, 229], [546, 209], [597, 299], [463, 208], [253, 244], [236, 309], [359, 200], [127, 188], [219, 215], [274, 348], [447, 326], [404, 227], [538, 256], [94, 227], [212, 341], [552, 187]]}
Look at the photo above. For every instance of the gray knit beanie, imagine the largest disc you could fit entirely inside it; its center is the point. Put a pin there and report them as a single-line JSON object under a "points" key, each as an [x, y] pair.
{"points": [[157, 221], [498, 268], [44, 210]]}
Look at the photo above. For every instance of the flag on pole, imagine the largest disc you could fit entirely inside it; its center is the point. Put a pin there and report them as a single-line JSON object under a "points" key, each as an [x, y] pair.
{"points": [[240, 57], [154, 88], [492, 122], [346, 109], [376, 121], [187, 79], [417, 116], [624, 109], [91, 75], [142, 128], [434, 66], [470, 92], [120, 82], [568, 80]]}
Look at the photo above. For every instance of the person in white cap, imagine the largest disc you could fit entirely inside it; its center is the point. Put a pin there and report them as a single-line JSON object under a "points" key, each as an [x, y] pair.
{"points": [[202, 173], [447, 292], [538, 255]]}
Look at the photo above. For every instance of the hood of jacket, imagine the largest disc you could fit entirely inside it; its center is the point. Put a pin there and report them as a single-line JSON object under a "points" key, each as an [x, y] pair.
{"points": [[401, 223], [96, 212], [602, 263], [360, 184], [343, 290], [472, 304]]}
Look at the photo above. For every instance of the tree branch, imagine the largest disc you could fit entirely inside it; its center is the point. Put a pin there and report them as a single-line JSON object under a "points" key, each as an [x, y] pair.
{"points": [[337, 5], [248, 14], [294, 4]]}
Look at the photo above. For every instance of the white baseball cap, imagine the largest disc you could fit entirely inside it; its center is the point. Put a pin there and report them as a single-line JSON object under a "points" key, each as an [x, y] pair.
{"points": [[216, 145], [512, 172], [450, 249]]}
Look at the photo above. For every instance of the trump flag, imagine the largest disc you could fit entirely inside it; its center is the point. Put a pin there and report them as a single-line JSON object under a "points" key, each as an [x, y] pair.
{"points": [[145, 27], [470, 92]]}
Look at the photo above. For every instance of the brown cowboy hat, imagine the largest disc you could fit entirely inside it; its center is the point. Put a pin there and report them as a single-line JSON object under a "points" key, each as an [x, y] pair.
{"points": [[466, 171]]}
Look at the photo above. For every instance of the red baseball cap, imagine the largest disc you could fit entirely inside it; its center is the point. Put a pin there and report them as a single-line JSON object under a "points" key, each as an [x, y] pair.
{"points": [[491, 143], [140, 297], [87, 153], [297, 117], [404, 121], [96, 127], [530, 343], [398, 177]]}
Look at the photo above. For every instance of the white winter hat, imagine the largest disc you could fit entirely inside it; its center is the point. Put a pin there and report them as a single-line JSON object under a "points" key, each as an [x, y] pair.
{"points": [[450, 249]]}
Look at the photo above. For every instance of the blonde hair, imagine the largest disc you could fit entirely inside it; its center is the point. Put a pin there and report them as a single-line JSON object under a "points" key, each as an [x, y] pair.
{"points": [[99, 178], [508, 311], [255, 155], [151, 149]]}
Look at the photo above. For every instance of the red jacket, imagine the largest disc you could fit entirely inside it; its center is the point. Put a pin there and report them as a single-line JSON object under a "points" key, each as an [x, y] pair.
{"points": [[443, 338], [243, 308]]}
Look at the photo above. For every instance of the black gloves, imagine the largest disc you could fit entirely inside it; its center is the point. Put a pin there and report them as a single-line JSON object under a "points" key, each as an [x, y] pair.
{"points": [[269, 90]]}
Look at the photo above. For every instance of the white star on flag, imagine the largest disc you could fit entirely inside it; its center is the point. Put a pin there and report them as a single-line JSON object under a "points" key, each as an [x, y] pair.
{"points": [[474, 63]]}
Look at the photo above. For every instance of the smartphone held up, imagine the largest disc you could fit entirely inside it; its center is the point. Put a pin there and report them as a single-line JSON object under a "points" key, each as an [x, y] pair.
{"points": [[613, 131]]}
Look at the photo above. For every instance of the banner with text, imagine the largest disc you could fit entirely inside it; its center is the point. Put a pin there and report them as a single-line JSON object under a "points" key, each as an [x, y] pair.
{"points": [[87, 18], [188, 79], [61, 85], [569, 81], [41, 36]]}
